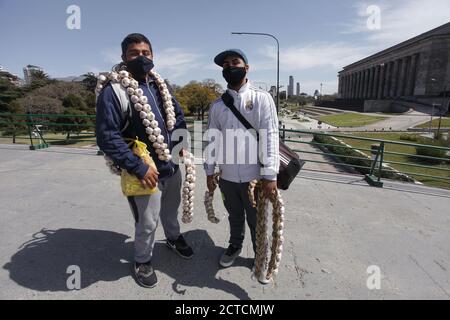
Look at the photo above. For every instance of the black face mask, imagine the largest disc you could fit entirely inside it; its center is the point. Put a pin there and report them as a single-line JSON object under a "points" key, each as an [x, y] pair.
{"points": [[234, 75], [140, 66]]}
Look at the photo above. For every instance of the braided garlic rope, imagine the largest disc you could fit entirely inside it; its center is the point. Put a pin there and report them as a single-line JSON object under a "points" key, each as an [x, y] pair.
{"points": [[266, 268], [188, 188], [208, 201], [140, 104]]}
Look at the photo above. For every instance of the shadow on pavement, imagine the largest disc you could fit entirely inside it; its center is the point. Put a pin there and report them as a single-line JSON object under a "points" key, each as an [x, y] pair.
{"points": [[41, 264], [202, 269]]}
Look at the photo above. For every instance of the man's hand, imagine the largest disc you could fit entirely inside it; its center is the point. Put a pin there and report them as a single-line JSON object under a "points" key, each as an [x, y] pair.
{"points": [[183, 153], [211, 183], [150, 179], [269, 187]]}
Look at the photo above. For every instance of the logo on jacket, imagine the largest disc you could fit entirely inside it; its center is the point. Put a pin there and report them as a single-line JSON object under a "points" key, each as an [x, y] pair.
{"points": [[249, 105]]}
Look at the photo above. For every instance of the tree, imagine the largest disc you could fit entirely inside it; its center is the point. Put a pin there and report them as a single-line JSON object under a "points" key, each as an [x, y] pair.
{"points": [[8, 93], [74, 102], [89, 81], [213, 85], [196, 97], [39, 79]]}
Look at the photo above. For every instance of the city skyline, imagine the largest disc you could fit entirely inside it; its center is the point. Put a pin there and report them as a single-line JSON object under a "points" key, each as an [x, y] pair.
{"points": [[184, 49]]}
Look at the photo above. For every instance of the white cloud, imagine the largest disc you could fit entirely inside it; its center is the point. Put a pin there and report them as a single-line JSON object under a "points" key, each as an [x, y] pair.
{"points": [[316, 55], [171, 62], [177, 61], [400, 20], [112, 55]]}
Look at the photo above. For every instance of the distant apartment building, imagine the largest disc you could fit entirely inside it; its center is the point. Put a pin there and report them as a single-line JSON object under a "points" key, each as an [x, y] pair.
{"points": [[291, 86], [28, 72], [12, 78]]}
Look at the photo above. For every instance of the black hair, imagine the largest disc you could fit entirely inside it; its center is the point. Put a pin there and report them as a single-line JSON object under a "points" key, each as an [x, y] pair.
{"points": [[134, 38]]}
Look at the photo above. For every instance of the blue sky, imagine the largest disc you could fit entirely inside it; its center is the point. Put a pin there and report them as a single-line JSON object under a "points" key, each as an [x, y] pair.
{"points": [[317, 38]]}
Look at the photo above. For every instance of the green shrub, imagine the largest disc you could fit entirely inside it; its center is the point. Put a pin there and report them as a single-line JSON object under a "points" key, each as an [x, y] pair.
{"points": [[340, 149], [409, 137], [425, 150]]}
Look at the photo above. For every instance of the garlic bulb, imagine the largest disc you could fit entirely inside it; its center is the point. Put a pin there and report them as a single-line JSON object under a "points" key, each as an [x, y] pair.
{"points": [[188, 188]]}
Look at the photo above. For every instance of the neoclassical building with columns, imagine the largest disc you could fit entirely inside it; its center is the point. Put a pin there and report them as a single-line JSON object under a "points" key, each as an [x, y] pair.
{"points": [[414, 71]]}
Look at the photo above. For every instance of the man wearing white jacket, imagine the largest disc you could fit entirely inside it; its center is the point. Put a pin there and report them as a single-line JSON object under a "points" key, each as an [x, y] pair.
{"points": [[236, 150]]}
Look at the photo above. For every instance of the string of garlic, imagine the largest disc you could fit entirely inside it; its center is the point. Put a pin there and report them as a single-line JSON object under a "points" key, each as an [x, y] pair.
{"points": [[208, 201], [188, 188], [140, 104], [265, 267]]}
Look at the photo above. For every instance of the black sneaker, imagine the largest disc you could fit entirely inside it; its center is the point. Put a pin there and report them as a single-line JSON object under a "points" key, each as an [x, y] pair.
{"points": [[181, 247], [145, 275], [228, 257]]}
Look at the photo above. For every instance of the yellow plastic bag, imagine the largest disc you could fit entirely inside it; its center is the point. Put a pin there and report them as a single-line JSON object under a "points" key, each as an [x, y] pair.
{"points": [[131, 186]]}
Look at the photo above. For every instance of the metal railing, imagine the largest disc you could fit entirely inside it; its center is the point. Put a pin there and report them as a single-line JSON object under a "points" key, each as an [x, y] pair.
{"points": [[372, 157], [340, 149], [48, 128]]}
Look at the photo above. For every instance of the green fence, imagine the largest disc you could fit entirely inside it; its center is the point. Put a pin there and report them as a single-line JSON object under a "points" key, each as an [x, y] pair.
{"points": [[378, 158], [374, 158], [40, 130]]}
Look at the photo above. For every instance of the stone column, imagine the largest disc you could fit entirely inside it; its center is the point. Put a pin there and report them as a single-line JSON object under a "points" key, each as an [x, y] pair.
{"points": [[360, 84], [366, 83], [356, 85], [376, 72], [347, 87], [370, 85], [394, 77], [348, 90], [381, 82], [350, 87], [411, 76], [402, 80], [387, 80]]}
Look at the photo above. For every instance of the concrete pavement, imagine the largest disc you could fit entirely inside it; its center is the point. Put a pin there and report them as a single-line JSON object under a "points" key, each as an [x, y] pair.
{"points": [[61, 207]]}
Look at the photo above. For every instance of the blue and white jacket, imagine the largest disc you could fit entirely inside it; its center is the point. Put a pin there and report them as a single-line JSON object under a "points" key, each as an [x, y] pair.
{"points": [[110, 121]]}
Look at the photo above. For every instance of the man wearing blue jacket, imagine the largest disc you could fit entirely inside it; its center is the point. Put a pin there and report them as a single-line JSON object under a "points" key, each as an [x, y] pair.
{"points": [[112, 126]]}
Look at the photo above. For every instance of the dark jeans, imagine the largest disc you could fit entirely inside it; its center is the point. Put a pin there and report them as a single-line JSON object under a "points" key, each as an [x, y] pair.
{"points": [[237, 203]]}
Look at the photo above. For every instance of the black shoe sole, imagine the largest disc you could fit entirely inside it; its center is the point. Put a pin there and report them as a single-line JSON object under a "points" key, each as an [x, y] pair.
{"points": [[133, 274], [173, 248]]}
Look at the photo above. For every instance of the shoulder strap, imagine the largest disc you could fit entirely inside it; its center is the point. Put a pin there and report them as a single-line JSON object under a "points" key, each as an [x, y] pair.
{"points": [[124, 101], [229, 102]]}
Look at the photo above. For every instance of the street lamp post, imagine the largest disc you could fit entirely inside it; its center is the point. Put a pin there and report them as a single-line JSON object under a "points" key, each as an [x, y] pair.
{"points": [[278, 59]]}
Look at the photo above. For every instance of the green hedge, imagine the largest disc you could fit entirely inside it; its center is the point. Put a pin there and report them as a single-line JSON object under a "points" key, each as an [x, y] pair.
{"points": [[341, 148]]}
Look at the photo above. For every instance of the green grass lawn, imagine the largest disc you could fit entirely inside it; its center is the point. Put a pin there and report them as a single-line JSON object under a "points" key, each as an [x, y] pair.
{"points": [[445, 123], [84, 139], [350, 119], [399, 158]]}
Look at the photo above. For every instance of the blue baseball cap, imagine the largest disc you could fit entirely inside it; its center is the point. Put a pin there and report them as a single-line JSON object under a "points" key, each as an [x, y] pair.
{"points": [[230, 52]]}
